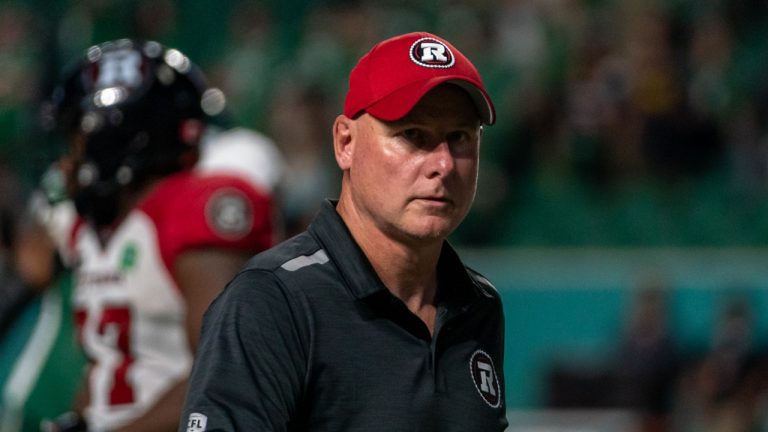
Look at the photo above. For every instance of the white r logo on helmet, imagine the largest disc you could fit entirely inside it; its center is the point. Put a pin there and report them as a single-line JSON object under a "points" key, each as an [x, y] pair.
{"points": [[431, 53], [119, 68]]}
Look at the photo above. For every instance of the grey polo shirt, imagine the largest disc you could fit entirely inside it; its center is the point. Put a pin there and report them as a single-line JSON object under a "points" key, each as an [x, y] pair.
{"points": [[307, 338]]}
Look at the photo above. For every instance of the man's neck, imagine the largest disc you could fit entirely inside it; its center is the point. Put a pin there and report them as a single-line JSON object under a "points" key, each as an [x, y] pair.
{"points": [[408, 271], [409, 274]]}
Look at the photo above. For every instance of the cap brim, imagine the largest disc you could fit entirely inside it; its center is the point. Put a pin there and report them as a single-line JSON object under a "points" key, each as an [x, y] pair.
{"points": [[399, 103]]}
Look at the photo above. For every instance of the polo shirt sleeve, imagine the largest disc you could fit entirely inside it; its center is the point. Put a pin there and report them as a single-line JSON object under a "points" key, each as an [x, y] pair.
{"points": [[500, 355], [251, 362]]}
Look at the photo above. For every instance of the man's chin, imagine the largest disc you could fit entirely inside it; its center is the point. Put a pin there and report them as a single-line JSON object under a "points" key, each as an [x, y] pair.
{"points": [[432, 229]]}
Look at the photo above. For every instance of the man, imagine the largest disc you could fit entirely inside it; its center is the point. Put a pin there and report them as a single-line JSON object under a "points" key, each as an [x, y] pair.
{"points": [[369, 321], [154, 239]]}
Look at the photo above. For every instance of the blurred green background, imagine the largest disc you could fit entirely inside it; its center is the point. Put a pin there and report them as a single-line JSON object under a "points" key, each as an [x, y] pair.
{"points": [[620, 122]]}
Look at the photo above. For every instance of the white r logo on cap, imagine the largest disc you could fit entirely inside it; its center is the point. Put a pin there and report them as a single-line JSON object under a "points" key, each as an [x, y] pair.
{"points": [[431, 53]]}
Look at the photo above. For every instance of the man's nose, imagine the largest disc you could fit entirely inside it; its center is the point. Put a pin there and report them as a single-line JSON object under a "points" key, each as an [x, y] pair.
{"points": [[442, 160]]}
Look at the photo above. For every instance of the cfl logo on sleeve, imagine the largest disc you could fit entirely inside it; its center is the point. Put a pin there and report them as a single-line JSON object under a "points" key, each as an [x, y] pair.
{"points": [[484, 376], [431, 53], [197, 422]]}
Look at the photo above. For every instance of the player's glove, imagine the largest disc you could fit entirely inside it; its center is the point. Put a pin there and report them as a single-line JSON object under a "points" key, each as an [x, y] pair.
{"points": [[50, 208], [67, 422], [50, 192]]}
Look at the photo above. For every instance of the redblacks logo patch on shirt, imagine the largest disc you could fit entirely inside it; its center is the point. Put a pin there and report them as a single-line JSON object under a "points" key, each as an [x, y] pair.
{"points": [[229, 214], [485, 379]]}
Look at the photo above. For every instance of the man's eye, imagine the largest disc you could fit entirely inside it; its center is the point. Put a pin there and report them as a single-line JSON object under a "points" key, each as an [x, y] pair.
{"points": [[457, 136], [412, 134]]}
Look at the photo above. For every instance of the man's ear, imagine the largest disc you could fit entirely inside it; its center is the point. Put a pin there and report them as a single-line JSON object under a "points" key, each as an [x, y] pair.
{"points": [[343, 141]]}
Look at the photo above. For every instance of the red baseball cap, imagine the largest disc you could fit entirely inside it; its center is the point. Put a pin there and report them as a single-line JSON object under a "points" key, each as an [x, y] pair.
{"points": [[395, 74]]}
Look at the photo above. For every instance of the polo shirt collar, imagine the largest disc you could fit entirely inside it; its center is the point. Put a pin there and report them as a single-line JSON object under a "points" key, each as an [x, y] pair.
{"points": [[361, 279], [334, 236]]}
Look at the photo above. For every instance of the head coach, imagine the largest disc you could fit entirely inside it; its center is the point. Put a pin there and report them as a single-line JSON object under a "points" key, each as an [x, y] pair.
{"points": [[369, 321]]}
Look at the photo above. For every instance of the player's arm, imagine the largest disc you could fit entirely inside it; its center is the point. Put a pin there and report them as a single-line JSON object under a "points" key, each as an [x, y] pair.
{"points": [[45, 230], [35, 257], [225, 223], [200, 274], [251, 363], [30, 273]]}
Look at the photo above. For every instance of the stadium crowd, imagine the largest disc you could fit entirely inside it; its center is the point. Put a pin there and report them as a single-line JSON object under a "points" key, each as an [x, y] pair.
{"points": [[621, 122]]}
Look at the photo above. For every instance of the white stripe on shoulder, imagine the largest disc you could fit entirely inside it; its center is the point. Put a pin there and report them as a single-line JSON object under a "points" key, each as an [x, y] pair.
{"points": [[319, 257], [488, 285]]}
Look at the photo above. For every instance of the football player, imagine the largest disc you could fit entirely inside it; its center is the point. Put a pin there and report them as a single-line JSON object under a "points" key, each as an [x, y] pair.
{"points": [[154, 239]]}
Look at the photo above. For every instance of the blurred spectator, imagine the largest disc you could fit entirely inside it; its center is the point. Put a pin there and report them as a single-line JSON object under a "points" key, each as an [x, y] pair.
{"points": [[638, 376], [246, 70], [297, 124], [521, 34], [645, 367], [83, 23], [732, 344], [724, 390], [21, 66], [155, 20]]}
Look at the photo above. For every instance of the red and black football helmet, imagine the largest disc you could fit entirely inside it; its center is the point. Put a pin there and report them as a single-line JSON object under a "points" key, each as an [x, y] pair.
{"points": [[139, 109]]}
